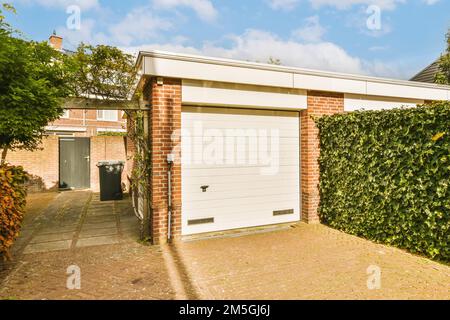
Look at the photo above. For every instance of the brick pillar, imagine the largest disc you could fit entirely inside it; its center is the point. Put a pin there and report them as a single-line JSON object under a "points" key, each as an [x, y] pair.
{"points": [[319, 103], [165, 119]]}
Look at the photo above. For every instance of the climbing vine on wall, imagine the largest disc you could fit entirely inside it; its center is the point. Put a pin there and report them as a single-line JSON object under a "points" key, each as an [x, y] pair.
{"points": [[140, 174]]}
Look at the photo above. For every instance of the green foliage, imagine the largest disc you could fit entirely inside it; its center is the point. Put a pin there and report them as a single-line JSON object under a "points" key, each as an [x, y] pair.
{"points": [[443, 76], [385, 176], [112, 134], [33, 79], [12, 205], [103, 72]]}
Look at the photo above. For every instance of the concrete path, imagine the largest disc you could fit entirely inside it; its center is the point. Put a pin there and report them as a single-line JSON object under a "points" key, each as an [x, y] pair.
{"points": [[78, 219], [75, 231]]}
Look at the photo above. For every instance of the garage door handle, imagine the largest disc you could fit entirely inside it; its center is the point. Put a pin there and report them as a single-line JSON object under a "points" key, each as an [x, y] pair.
{"points": [[204, 188]]}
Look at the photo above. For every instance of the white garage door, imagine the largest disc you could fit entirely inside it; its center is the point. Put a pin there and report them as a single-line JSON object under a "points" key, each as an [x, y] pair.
{"points": [[240, 168]]}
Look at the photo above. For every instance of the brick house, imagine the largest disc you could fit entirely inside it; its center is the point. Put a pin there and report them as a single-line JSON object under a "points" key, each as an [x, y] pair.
{"points": [[74, 144], [238, 138]]}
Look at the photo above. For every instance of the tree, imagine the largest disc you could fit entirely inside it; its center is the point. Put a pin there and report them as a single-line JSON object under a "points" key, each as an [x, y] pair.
{"points": [[102, 72], [33, 82], [443, 76], [274, 61]]}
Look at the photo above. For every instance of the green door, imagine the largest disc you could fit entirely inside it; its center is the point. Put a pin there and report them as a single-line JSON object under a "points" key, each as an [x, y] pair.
{"points": [[74, 163]]}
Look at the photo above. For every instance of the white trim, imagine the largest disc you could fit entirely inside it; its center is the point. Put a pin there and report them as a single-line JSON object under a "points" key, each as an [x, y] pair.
{"points": [[111, 130], [183, 66], [353, 102], [66, 114], [65, 129], [102, 118], [208, 93]]}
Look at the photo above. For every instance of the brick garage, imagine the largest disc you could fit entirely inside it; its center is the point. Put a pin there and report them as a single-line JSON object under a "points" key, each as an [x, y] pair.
{"points": [[222, 94], [43, 164], [319, 103]]}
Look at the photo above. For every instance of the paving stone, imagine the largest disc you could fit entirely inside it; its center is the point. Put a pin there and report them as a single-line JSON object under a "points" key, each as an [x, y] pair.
{"points": [[48, 246], [97, 241], [88, 233], [101, 219], [50, 237], [101, 225], [57, 229]]}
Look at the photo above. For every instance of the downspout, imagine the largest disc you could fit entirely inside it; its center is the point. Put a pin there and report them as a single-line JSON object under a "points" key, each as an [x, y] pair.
{"points": [[170, 160]]}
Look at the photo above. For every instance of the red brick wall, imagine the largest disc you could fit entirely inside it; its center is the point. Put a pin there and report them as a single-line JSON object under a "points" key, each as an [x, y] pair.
{"points": [[106, 148], [88, 119], [165, 118], [42, 164], [319, 103]]}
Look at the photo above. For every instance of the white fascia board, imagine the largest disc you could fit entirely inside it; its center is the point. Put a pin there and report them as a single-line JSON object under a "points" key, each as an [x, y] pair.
{"points": [[406, 91], [211, 72], [353, 102], [209, 93], [183, 66], [320, 83]]}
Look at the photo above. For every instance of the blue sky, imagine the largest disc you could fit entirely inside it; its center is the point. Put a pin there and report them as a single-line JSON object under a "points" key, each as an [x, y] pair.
{"points": [[389, 38]]}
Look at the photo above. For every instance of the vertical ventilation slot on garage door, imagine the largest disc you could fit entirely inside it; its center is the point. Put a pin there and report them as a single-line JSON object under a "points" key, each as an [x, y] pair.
{"points": [[200, 221], [283, 212]]}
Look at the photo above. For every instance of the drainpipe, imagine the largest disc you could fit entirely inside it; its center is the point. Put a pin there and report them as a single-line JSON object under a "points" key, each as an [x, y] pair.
{"points": [[170, 160]]}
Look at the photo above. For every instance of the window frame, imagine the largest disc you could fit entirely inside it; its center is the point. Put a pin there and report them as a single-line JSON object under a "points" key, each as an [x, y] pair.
{"points": [[103, 118]]}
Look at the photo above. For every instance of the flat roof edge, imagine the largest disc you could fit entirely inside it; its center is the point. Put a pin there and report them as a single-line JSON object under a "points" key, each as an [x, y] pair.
{"points": [[282, 69]]}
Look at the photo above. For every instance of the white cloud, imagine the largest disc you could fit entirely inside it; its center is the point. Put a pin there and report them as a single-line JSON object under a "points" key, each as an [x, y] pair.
{"points": [[204, 9], [83, 4], [312, 30], [258, 45], [283, 4], [86, 34], [431, 2], [347, 4], [378, 48], [139, 24]]}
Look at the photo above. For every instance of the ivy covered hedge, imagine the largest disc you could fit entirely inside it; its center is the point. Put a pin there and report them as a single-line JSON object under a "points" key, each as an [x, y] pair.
{"points": [[385, 176], [12, 205]]}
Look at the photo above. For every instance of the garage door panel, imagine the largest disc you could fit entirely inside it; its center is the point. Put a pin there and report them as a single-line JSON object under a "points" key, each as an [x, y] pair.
{"points": [[240, 194], [237, 201], [286, 142], [230, 171], [239, 183], [245, 213], [217, 192], [242, 219], [192, 112]]}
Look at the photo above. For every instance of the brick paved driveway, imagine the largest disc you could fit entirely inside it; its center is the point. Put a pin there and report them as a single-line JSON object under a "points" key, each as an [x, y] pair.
{"points": [[308, 262], [301, 262]]}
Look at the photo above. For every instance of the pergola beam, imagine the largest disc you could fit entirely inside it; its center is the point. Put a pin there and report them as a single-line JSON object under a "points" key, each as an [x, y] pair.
{"points": [[100, 104]]}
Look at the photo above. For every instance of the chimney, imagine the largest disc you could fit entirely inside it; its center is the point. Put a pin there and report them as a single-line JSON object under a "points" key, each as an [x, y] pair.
{"points": [[55, 41]]}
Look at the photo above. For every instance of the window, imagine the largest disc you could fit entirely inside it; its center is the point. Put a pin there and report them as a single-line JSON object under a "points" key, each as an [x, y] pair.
{"points": [[107, 115], [66, 114]]}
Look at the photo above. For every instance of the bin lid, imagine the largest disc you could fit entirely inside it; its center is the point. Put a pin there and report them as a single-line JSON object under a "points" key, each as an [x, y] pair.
{"points": [[110, 163]]}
